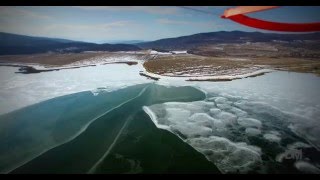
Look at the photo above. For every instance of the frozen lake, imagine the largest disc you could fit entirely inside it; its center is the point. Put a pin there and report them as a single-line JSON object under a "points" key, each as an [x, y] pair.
{"points": [[265, 124], [20, 90]]}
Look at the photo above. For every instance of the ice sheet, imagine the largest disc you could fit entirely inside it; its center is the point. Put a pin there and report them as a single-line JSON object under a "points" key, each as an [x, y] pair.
{"points": [[20, 90]]}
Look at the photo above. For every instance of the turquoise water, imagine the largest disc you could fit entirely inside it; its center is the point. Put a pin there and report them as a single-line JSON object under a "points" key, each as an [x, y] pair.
{"points": [[121, 139]]}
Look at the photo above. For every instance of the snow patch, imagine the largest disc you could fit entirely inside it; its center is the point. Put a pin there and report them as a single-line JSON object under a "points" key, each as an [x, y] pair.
{"points": [[230, 77], [179, 52], [153, 52]]}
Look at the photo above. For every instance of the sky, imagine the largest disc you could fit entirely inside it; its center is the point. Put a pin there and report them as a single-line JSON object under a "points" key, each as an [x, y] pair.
{"points": [[101, 24]]}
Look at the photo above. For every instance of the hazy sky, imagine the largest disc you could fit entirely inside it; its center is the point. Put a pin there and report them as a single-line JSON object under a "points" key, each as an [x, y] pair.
{"points": [[103, 24]]}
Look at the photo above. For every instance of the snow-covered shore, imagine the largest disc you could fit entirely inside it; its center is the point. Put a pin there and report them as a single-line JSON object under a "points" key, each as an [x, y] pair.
{"points": [[210, 78]]}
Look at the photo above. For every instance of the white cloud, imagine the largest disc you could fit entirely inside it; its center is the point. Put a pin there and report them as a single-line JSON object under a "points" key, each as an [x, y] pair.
{"points": [[31, 21], [84, 32], [190, 23], [92, 28], [17, 12], [168, 21]]}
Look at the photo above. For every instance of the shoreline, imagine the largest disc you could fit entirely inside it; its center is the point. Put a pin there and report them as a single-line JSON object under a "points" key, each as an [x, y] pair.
{"points": [[217, 78], [27, 68], [221, 70]]}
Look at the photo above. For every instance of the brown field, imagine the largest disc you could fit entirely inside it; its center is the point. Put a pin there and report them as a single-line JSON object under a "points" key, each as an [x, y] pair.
{"points": [[56, 59], [179, 64], [50, 59]]}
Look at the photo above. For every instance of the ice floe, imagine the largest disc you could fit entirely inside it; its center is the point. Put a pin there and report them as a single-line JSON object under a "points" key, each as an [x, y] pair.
{"points": [[307, 167], [298, 145], [230, 157], [249, 122], [252, 131], [238, 112], [198, 123], [272, 138], [214, 111], [226, 117]]}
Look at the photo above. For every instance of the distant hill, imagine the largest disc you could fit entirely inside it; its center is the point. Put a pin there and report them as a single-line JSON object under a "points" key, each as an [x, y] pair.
{"points": [[7, 39], [19, 44], [201, 39], [127, 42]]}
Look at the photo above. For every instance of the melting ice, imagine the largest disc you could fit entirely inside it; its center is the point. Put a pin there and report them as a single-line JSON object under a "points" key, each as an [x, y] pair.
{"points": [[250, 125]]}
